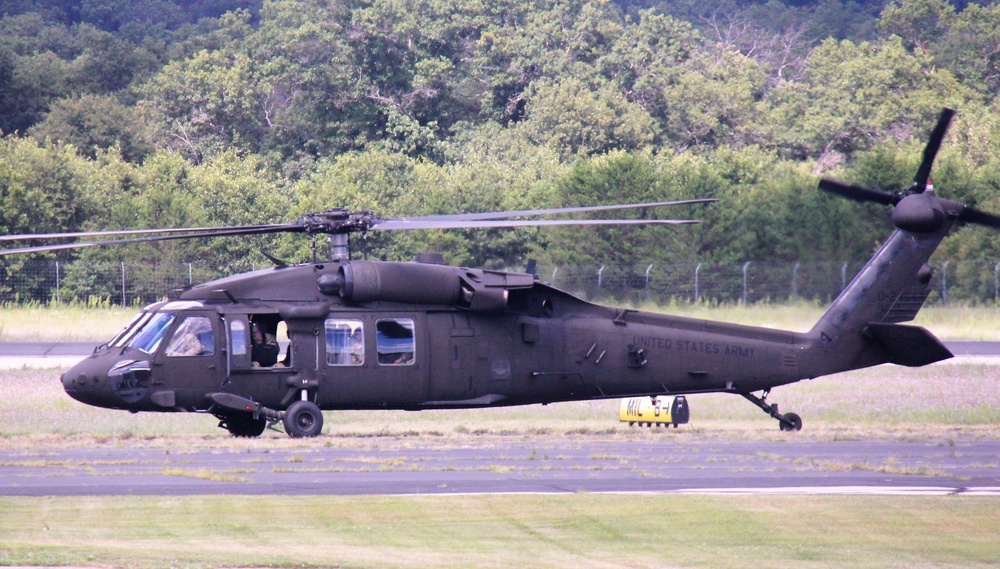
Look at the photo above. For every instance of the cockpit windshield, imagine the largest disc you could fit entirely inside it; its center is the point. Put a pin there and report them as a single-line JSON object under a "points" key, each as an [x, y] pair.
{"points": [[129, 330], [151, 332]]}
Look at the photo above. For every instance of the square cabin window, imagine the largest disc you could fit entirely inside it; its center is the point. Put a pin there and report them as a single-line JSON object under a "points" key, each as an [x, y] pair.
{"points": [[395, 341], [345, 342]]}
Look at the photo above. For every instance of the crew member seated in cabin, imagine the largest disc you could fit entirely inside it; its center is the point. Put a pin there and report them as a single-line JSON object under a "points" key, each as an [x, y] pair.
{"points": [[263, 348], [357, 347]]}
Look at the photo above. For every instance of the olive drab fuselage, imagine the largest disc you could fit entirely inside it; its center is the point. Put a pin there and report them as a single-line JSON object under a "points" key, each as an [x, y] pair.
{"points": [[528, 343]]}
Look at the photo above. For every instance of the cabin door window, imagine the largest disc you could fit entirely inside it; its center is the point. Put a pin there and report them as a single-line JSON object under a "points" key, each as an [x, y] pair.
{"points": [[345, 342], [396, 345], [239, 342]]}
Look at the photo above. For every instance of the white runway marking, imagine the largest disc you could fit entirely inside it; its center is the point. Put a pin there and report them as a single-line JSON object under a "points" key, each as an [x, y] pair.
{"points": [[847, 491]]}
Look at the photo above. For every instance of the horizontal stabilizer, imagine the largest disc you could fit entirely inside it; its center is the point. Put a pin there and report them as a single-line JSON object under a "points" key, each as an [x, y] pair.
{"points": [[910, 346]]}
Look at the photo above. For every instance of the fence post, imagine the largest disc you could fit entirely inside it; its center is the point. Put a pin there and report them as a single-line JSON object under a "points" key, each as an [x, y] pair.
{"points": [[554, 271], [649, 268], [843, 276], [996, 282], [123, 284], [795, 281], [745, 265], [190, 275], [58, 292], [600, 273], [944, 283], [696, 294]]}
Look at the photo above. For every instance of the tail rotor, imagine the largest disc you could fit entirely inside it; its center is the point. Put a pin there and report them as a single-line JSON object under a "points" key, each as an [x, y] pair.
{"points": [[917, 209]]}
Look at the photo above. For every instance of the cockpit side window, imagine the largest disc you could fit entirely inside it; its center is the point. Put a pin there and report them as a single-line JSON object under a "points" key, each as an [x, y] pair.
{"points": [[193, 337]]}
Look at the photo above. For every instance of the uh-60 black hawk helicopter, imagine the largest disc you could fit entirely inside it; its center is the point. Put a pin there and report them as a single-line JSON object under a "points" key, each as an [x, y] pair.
{"points": [[413, 336]]}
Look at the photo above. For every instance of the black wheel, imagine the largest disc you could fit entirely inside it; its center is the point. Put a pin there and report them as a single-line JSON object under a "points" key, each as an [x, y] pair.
{"points": [[303, 419], [790, 422], [244, 426]]}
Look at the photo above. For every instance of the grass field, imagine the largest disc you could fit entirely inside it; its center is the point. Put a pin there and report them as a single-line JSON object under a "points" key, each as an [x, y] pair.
{"points": [[578, 530], [942, 402]]}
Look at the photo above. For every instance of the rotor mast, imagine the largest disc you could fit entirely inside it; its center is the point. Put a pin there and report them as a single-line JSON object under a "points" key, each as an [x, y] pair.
{"points": [[338, 224]]}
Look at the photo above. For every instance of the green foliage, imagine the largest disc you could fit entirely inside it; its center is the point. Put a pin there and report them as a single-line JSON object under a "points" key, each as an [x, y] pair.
{"points": [[610, 121], [92, 123], [183, 112], [42, 190], [203, 105], [920, 23], [971, 48]]}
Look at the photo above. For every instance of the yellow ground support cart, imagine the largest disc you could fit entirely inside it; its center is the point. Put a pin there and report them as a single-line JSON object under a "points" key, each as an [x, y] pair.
{"points": [[658, 410]]}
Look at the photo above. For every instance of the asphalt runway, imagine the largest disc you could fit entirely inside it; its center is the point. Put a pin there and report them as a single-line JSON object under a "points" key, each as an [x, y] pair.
{"points": [[676, 463]]}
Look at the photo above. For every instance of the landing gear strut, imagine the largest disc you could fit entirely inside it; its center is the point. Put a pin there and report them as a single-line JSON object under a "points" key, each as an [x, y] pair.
{"points": [[787, 421]]}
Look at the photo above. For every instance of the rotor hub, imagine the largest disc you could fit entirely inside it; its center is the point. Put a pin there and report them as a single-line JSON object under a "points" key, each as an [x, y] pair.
{"points": [[919, 213], [339, 221]]}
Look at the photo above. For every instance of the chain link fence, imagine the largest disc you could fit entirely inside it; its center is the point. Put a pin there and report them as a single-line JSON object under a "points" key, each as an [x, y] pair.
{"points": [[124, 284]]}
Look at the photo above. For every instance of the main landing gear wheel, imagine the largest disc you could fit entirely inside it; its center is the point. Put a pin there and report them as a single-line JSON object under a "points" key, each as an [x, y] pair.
{"points": [[303, 419], [243, 425], [790, 422], [786, 422]]}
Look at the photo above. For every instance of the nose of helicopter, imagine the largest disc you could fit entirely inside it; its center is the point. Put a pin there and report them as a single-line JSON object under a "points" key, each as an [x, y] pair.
{"points": [[87, 388], [89, 382]]}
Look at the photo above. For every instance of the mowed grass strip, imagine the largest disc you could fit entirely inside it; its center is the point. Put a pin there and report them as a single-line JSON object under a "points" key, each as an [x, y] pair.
{"points": [[538, 531]]}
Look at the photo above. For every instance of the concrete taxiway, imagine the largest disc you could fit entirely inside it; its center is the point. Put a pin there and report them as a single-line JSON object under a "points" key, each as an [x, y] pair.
{"points": [[683, 463]]}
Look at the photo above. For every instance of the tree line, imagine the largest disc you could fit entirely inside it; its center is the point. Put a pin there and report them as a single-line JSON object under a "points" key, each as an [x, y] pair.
{"points": [[118, 114]]}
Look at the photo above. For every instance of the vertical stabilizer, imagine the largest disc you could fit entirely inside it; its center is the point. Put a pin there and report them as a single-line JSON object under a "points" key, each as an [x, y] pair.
{"points": [[860, 327]]}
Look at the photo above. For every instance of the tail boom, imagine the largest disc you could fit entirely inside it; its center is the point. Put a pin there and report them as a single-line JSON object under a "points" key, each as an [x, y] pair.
{"points": [[860, 329]]}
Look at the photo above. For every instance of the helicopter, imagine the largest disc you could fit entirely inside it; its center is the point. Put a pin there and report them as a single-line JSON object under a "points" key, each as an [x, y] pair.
{"points": [[365, 335]]}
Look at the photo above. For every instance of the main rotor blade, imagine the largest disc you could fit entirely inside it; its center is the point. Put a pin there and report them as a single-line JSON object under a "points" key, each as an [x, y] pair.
{"points": [[858, 193], [554, 211], [404, 224], [190, 230], [223, 232], [931, 150]]}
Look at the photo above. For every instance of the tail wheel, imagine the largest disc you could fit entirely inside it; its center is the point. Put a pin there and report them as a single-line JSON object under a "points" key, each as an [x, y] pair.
{"points": [[303, 419]]}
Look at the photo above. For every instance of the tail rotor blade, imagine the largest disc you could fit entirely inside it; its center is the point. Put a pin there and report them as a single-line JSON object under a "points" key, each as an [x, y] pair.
{"points": [[970, 215], [931, 150], [858, 193]]}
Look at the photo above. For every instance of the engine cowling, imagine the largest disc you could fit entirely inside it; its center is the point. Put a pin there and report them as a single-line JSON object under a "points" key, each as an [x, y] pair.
{"points": [[419, 283]]}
